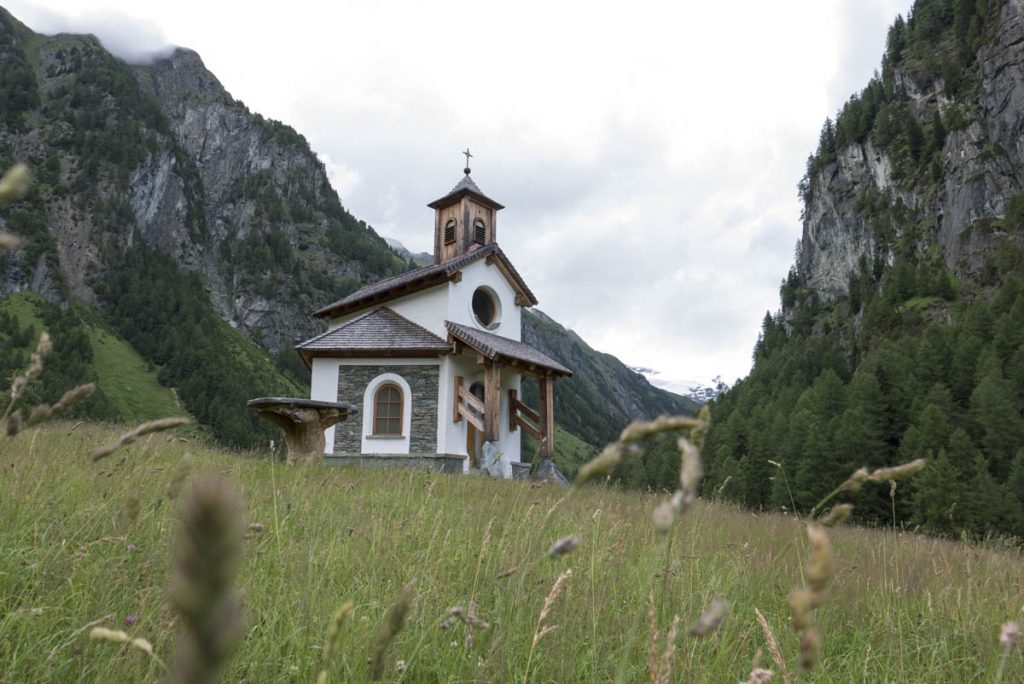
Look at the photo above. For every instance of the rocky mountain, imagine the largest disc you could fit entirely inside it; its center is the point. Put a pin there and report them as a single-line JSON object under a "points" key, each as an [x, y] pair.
{"points": [[901, 329], [956, 185], [163, 154], [195, 228]]}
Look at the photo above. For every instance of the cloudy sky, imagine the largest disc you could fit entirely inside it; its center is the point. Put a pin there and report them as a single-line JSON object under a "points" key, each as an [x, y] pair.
{"points": [[647, 152]]}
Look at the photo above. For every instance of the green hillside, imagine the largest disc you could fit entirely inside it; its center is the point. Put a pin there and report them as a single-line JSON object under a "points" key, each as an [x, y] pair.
{"points": [[128, 385], [570, 451]]}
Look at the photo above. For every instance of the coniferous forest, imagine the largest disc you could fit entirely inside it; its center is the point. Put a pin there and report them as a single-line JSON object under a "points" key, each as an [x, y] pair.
{"points": [[915, 359]]}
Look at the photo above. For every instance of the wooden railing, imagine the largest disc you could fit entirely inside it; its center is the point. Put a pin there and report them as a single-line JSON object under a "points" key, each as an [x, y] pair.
{"points": [[467, 406], [521, 415]]}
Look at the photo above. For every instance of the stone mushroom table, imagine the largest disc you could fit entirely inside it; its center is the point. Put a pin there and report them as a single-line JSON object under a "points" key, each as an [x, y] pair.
{"points": [[303, 422]]}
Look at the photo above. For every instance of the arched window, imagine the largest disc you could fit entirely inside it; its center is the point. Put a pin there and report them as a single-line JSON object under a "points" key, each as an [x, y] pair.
{"points": [[387, 410], [449, 231]]}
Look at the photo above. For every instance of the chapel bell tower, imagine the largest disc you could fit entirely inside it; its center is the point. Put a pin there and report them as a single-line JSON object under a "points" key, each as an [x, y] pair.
{"points": [[464, 219]]}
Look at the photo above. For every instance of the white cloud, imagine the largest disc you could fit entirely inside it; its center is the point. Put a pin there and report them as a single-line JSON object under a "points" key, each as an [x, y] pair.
{"points": [[648, 153]]}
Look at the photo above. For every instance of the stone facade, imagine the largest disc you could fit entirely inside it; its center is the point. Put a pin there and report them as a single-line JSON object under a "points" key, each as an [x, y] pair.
{"points": [[352, 382]]}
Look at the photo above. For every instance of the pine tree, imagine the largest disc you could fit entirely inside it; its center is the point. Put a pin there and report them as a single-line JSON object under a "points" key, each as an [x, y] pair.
{"points": [[938, 498], [1015, 486], [996, 416]]}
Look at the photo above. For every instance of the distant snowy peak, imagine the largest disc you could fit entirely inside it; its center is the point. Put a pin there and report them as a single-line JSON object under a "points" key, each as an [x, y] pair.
{"points": [[701, 391]]}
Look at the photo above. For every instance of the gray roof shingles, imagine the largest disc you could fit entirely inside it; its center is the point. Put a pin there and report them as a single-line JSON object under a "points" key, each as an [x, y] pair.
{"points": [[424, 277], [492, 345], [464, 185], [381, 330]]}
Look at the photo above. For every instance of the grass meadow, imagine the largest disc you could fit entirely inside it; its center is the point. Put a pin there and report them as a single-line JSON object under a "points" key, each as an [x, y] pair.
{"points": [[86, 544]]}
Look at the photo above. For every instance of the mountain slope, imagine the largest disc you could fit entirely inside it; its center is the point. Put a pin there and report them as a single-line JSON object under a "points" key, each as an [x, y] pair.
{"points": [[901, 332], [603, 394]]}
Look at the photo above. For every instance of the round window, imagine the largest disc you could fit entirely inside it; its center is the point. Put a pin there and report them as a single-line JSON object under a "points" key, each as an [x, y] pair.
{"points": [[486, 308]]}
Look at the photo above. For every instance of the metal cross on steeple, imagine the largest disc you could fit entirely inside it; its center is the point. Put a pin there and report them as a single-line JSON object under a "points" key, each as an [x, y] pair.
{"points": [[468, 155]]}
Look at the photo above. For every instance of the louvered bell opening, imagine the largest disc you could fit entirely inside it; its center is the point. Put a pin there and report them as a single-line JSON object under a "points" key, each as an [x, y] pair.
{"points": [[479, 232], [449, 232]]}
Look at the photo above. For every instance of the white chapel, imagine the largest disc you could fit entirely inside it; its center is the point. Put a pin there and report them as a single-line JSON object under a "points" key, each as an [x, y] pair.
{"points": [[434, 358]]}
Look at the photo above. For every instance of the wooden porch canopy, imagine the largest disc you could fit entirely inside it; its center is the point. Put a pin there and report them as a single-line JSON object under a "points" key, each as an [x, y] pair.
{"points": [[494, 352]]}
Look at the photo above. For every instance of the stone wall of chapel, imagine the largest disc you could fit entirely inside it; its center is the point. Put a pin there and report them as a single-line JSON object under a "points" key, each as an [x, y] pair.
{"points": [[352, 382]]}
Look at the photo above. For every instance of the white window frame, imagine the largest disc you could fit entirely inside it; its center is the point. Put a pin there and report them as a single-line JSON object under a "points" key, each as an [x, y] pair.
{"points": [[386, 444]]}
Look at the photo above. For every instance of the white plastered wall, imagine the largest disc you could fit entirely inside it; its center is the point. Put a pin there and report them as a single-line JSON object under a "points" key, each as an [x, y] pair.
{"points": [[323, 386], [460, 299]]}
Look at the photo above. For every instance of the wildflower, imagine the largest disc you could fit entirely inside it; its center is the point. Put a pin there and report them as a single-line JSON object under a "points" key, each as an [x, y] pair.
{"points": [[130, 620]]}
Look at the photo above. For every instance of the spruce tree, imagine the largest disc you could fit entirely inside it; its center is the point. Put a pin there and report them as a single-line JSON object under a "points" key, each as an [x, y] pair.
{"points": [[996, 417], [938, 498]]}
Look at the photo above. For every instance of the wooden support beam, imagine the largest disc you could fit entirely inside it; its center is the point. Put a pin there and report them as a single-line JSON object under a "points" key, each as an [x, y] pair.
{"points": [[492, 401], [471, 417], [471, 400], [547, 416], [455, 399], [512, 412], [530, 429]]}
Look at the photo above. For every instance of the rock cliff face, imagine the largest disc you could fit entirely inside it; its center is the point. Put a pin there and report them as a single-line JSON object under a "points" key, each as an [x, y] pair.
{"points": [[982, 159], [164, 154]]}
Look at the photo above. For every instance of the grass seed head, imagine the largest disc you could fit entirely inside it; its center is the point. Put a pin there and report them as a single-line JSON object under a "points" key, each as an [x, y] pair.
{"points": [[393, 623], [711, 620], [205, 562], [14, 423], [692, 470], [810, 649], [855, 481], [801, 603], [331, 640], [663, 516], [74, 396], [563, 546], [1010, 635], [14, 184], [837, 515], [179, 477], [133, 435], [645, 429], [897, 472], [773, 647], [604, 463], [819, 566], [759, 676]]}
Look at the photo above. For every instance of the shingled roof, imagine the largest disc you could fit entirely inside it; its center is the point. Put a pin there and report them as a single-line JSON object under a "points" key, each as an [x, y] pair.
{"points": [[494, 346], [423, 278], [466, 186], [381, 332]]}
